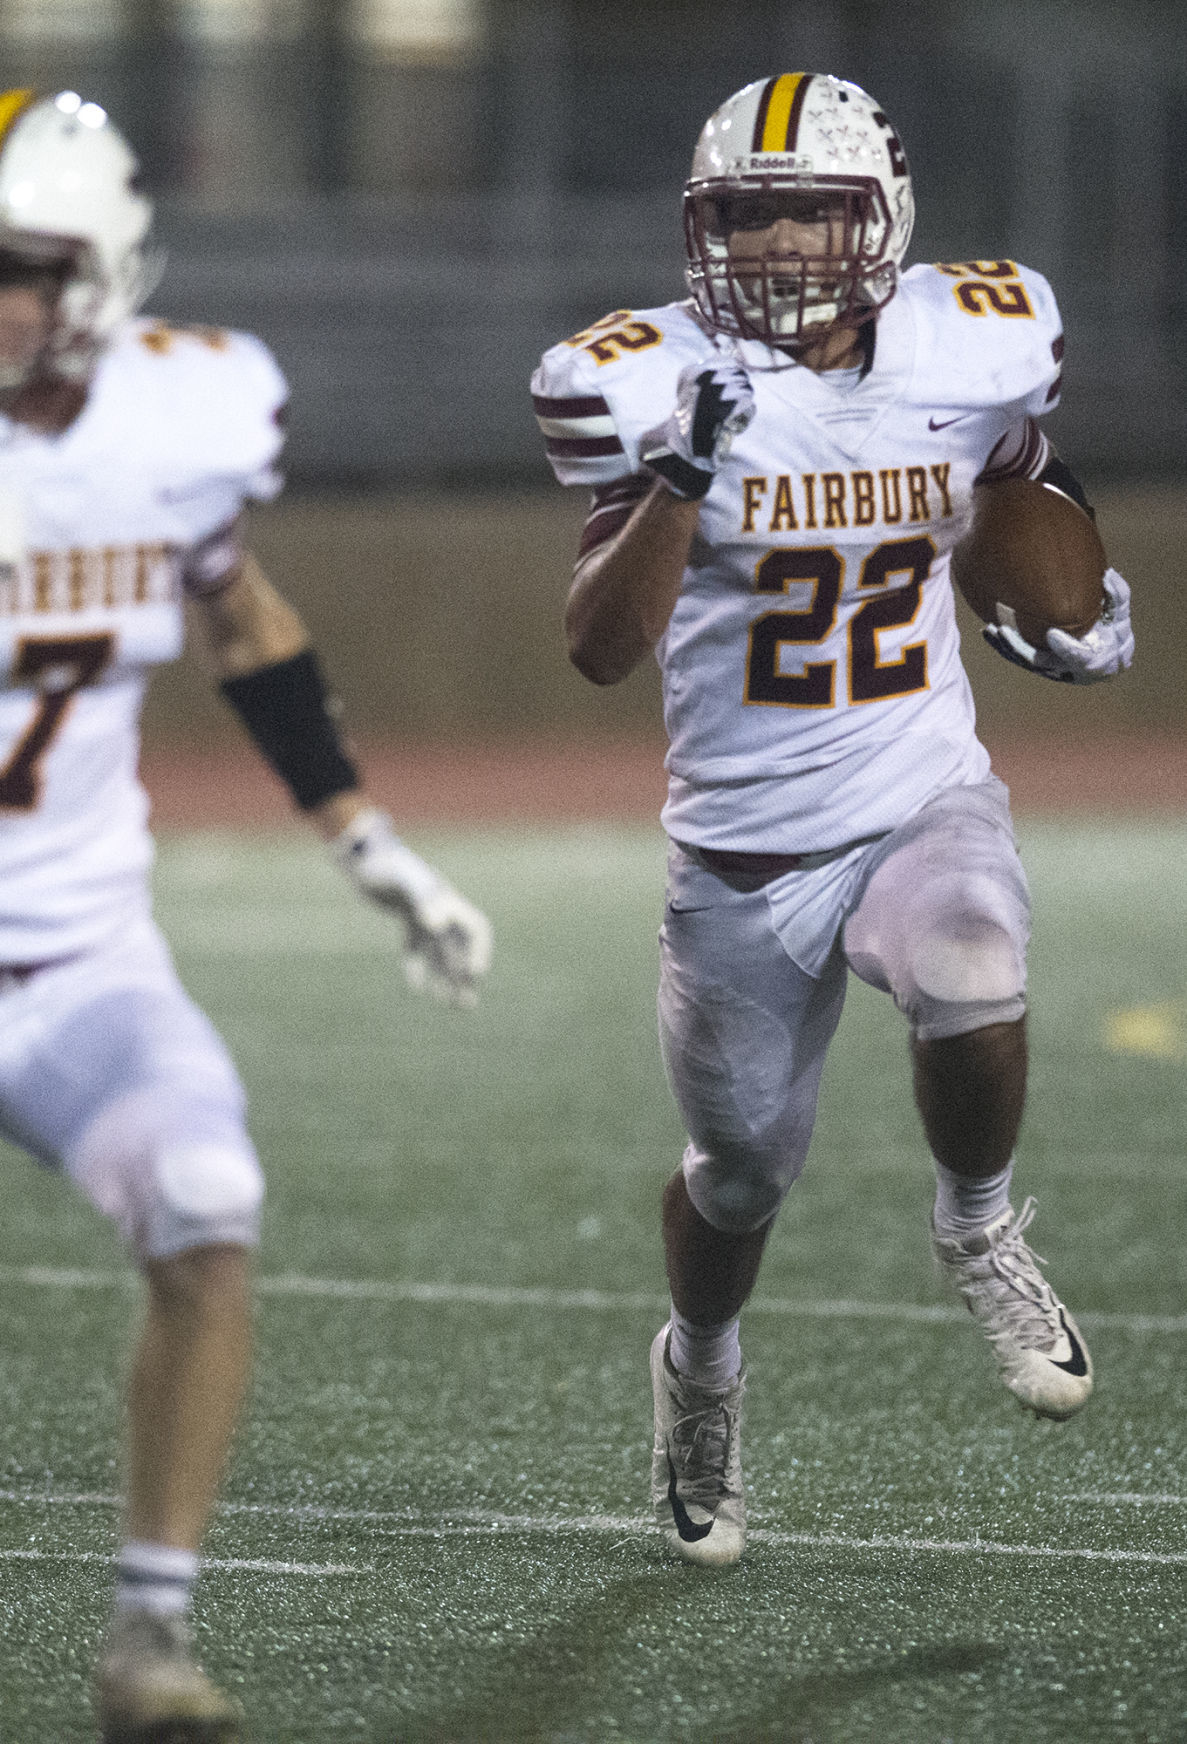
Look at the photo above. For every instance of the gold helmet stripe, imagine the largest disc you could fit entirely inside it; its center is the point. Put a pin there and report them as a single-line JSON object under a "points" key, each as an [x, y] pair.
{"points": [[779, 112], [12, 105]]}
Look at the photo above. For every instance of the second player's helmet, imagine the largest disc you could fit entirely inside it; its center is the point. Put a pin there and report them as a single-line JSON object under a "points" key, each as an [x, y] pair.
{"points": [[771, 150], [68, 198]]}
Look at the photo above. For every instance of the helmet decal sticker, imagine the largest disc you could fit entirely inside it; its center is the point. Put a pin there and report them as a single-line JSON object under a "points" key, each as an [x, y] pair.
{"points": [[12, 105], [779, 112]]}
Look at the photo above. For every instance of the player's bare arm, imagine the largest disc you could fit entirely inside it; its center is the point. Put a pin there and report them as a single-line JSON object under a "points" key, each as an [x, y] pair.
{"points": [[624, 592], [269, 673], [249, 625]]}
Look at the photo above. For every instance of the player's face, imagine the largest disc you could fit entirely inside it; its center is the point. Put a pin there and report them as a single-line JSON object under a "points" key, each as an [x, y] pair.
{"points": [[26, 321], [779, 247], [793, 227]]}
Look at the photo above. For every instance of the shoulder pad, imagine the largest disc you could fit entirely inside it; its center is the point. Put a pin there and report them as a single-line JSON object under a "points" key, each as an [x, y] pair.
{"points": [[595, 394], [210, 398], [991, 325]]}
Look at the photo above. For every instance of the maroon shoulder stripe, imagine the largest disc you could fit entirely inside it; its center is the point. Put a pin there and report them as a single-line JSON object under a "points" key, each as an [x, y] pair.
{"points": [[582, 447], [575, 406]]}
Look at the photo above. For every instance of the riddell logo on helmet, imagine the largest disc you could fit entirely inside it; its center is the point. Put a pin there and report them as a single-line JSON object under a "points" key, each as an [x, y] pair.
{"points": [[770, 160]]}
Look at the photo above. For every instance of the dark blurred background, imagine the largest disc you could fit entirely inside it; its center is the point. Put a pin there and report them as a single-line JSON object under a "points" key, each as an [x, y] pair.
{"points": [[410, 199]]}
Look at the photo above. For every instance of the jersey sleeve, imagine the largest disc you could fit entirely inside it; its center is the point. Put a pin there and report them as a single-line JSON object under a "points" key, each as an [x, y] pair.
{"points": [[203, 413], [1022, 452], [237, 398], [990, 348], [581, 439], [1044, 354], [262, 393], [989, 333], [597, 394], [208, 409]]}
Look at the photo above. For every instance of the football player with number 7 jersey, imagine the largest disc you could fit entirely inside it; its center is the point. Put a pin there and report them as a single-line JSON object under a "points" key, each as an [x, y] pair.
{"points": [[128, 449], [781, 466]]}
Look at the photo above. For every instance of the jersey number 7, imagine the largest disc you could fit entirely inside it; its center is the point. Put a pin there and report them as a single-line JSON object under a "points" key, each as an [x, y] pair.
{"points": [[58, 666]]}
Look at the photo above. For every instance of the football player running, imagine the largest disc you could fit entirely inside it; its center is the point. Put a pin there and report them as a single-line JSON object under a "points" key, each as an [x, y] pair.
{"points": [[127, 451], [781, 466]]}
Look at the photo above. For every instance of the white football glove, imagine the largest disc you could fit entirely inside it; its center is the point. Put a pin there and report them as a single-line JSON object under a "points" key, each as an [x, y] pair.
{"points": [[714, 402], [447, 942], [1102, 652]]}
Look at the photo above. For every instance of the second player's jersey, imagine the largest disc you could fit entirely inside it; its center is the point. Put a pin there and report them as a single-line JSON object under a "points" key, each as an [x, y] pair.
{"points": [[813, 689], [96, 528]]}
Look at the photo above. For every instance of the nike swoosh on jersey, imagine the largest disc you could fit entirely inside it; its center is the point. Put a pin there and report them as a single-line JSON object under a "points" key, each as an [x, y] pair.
{"points": [[1077, 1362], [943, 425], [688, 1529]]}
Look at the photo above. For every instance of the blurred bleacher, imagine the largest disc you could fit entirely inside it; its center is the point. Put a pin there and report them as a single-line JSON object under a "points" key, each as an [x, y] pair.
{"points": [[409, 199]]}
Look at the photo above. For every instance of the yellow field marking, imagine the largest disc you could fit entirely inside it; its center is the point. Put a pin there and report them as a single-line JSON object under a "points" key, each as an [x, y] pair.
{"points": [[1157, 1031]]}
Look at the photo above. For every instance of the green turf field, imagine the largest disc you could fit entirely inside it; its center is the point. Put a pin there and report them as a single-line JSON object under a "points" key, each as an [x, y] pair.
{"points": [[434, 1527]]}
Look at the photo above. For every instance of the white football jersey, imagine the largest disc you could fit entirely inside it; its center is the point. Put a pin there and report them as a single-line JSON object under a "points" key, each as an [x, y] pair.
{"points": [[813, 689], [96, 527]]}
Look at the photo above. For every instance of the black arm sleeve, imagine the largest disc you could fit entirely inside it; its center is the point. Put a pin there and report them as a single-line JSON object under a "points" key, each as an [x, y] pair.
{"points": [[287, 712], [1058, 473]]}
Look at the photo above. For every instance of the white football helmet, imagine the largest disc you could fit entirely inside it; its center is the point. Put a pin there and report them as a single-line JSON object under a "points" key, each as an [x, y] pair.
{"points": [[68, 196], [763, 155]]}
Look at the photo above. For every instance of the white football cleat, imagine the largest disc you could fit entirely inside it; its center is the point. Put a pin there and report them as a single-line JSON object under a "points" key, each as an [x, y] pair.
{"points": [[1039, 1351], [149, 1689], [696, 1464]]}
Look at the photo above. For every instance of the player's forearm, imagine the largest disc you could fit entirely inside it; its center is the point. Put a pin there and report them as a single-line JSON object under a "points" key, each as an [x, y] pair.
{"points": [[249, 625], [272, 678], [337, 813], [624, 593]]}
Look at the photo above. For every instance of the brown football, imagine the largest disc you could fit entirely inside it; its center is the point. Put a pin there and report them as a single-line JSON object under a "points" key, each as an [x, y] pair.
{"points": [[1035, 552]]}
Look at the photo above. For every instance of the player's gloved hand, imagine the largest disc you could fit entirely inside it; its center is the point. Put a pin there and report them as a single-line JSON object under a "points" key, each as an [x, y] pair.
{"points": [[447, 942], [1105, 650], [713, 403]]}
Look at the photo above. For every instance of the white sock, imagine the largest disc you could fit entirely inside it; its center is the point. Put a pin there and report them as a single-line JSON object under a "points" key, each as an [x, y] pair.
{"points": [[708, 1355], [155, 1577], [965, 1206]]}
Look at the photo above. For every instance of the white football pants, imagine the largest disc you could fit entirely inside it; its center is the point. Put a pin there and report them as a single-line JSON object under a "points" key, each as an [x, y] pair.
{"points": [[753, 977], [109, 1071]]}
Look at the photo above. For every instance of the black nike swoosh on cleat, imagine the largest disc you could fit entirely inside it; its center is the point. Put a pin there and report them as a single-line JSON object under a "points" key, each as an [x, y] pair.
{"points": [[688, 1530], [1077, 1363]]}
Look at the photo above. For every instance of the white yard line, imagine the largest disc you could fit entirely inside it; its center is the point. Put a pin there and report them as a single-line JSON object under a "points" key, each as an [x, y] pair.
{"points": [[479, 1523], [309, 1570], [971, 1547], [289, 1284], [1128, 1499]]}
